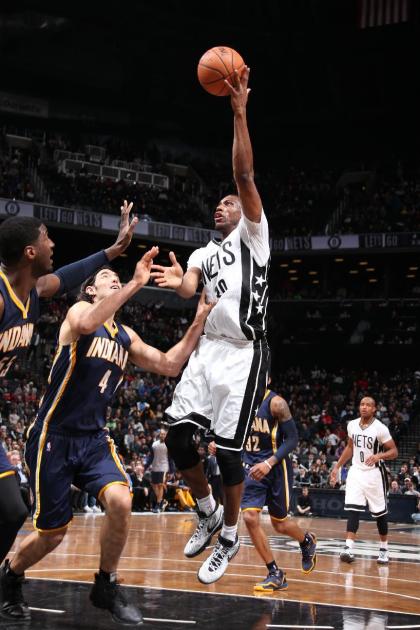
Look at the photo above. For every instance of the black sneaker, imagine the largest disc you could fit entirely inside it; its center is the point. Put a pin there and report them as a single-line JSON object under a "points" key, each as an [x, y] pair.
{"points": [[13, 605], [110, 595]]}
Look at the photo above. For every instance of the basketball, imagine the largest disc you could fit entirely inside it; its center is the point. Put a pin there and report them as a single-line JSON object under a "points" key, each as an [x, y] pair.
{"points": [[216, 65]]}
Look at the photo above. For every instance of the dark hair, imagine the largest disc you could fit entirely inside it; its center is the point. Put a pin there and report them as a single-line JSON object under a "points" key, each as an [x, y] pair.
{"points": [[82, 295], [16, 233]]}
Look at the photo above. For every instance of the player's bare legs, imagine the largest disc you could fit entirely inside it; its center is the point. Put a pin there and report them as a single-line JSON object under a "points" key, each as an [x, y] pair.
{"points": [[117, 503], [32, 549], [35, 547], [233, 495], [106, 593], [196, 480], [258, 535], [287, 527]]}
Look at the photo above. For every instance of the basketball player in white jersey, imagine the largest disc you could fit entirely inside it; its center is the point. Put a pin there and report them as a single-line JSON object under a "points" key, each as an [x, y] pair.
{"points": [[225, 379], [369, 444]]}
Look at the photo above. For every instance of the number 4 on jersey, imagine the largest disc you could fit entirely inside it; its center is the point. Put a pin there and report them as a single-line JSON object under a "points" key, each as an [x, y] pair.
{"points": [[103, 383]]}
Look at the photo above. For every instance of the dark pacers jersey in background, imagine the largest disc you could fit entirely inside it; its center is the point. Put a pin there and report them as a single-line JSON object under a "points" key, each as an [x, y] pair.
{"points": [[16, 328], [83, 379], [264, 437], [16, 325]]}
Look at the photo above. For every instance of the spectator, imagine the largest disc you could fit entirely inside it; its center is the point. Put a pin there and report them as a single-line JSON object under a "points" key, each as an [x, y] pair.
{"points": [[304, 503]]}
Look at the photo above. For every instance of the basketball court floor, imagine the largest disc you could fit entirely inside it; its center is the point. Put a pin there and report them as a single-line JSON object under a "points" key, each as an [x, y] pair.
{"points": [[157, 575]]}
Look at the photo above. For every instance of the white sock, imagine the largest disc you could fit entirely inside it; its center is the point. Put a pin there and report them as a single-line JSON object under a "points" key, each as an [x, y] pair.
{"points": [[383, 544], [349, 543], [207, 505], [229, 532]]}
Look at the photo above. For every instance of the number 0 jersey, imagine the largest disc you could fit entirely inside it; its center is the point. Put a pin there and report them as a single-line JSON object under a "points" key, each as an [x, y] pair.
{"points": [[265, 436], [83, 379], [234, 272], [367, 441]]}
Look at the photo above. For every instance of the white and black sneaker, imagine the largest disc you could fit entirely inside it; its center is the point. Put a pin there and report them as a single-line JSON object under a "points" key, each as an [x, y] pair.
{"points": [[216, 564], [207, 526], [383, 557], [347, 556]]}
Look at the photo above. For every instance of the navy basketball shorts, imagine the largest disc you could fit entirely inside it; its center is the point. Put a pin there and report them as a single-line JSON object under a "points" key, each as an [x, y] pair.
{"points": [[158, 476], [56, 461], [274, 491], [6, 469]]}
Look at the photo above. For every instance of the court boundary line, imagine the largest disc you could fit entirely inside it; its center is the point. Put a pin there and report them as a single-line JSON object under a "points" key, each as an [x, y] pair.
{"points": [[240, 575], [237, 564], [269, 599]]}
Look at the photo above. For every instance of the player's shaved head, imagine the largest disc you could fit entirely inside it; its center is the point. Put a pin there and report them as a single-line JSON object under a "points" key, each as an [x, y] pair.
{"points": [[368, 400]]}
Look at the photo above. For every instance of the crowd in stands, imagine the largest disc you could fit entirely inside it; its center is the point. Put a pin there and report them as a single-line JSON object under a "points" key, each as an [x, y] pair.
{"points": [[322, 402], [299, 201], [392, 204], [15, 177], [379, 323]]}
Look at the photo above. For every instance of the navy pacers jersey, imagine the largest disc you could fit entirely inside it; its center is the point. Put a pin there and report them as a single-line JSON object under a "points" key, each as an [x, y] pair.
{"points": [[16, 325], [83, 379], [262, 441], [16, 328], [275, 488]]}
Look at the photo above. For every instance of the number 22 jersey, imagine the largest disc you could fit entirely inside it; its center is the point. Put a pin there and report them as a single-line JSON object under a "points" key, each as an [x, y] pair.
{"points": [[83, 379]]}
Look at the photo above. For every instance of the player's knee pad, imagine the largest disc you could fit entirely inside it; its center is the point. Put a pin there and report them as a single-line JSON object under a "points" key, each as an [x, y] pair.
{"points": [[353, 522], [230, 464], [179, 441], [382, 525]]}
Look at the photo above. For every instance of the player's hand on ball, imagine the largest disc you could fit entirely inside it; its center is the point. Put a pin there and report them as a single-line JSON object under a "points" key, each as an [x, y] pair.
{"points": [[142, 272], [168, 277], [239, 89]]}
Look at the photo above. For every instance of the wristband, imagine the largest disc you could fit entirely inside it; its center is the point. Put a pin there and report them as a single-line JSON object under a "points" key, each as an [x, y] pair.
{"points": [[268, 464]]}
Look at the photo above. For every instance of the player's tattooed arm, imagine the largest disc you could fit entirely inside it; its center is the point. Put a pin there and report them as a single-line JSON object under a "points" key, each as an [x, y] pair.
{"points": [[280, 409]]}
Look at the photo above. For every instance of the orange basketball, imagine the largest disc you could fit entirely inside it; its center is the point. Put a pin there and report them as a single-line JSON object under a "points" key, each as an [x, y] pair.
{"points": [[216, 65]]}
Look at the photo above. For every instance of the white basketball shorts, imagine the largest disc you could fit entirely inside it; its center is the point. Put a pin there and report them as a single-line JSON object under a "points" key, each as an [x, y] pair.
{"points": [[221, 388], [366, 487]]}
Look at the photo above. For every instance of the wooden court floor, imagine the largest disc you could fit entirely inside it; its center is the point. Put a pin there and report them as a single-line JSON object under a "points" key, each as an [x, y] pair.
{"points": [[153, 559]]}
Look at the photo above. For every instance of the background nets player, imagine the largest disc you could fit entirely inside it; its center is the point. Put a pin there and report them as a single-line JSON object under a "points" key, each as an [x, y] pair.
{"points": [[369, 444], [26, 252], [224, 382], [68, 444], [269, 481]]}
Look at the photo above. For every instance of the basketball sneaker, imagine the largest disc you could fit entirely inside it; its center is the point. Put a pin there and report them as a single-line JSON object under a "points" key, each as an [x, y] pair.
{"points": [[207, 526], [383, 557], [216, 564], [308, 549], [110, 596], [13, 605], [347, 556], [275, 581]]}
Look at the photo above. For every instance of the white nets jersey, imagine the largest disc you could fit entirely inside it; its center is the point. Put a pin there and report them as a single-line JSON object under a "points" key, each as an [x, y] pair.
{"points": [[367, 441], [234, 273]]}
